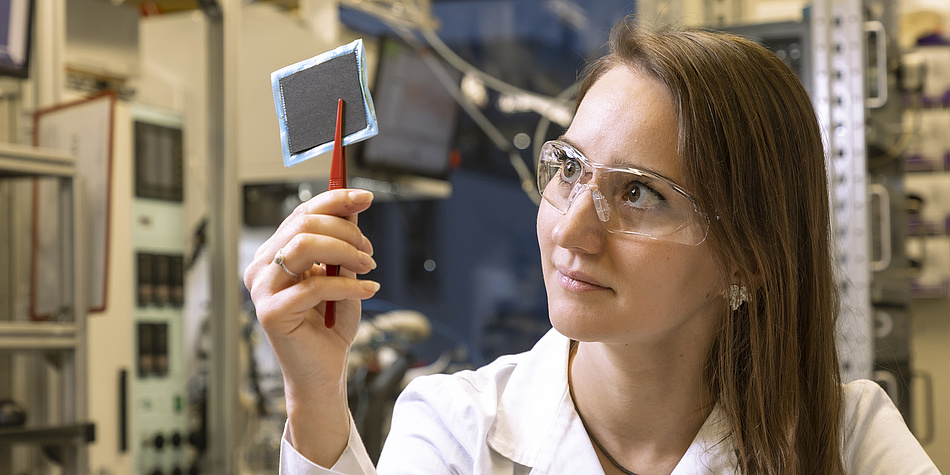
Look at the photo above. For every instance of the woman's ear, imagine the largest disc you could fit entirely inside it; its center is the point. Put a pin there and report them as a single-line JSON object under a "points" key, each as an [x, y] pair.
{"points": [[741, 287], [751, 280]]}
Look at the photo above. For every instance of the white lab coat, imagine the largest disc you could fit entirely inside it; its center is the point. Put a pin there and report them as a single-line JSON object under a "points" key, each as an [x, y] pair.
{"points": [[515, 416]]}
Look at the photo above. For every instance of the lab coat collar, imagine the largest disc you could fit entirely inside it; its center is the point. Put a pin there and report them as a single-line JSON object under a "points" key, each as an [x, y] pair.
{"points": [[548, 436], [545, 432]]}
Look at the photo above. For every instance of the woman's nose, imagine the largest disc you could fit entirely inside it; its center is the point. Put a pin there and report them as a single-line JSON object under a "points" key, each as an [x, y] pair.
{"points": [[580, 226]]}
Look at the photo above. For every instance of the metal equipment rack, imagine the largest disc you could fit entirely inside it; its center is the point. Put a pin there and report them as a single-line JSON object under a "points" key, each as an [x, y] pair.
{"points": [[56, 421]]}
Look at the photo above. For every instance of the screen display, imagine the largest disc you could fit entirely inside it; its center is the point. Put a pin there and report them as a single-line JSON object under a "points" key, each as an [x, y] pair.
{"points": [[158, 162], [15, 26], [416, 115]]}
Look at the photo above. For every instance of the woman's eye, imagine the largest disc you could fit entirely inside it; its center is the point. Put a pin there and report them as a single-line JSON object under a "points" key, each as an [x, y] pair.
{"points": [[642, 196], [570, 170]]}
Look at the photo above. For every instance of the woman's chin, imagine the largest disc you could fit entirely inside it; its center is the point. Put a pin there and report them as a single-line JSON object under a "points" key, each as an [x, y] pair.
{"points": [[577, 327]]}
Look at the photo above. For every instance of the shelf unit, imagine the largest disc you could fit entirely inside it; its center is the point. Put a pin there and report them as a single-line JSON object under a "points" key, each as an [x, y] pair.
{"points": [[928, 177], [49, 355]]}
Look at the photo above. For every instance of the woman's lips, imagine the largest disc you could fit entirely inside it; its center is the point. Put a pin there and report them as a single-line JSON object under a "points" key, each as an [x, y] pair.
{"points": [[577, 282]]}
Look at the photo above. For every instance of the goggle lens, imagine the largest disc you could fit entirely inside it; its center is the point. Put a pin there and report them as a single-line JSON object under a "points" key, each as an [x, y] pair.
{"points": [[627, 200]]}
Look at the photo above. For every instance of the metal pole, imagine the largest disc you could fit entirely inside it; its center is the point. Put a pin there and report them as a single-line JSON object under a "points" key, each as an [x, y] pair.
{"points": [[225, 421], [839, 91]]}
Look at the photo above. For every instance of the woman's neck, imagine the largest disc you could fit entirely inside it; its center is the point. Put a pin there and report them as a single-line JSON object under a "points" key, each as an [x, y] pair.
{"points": [[644, 407]]}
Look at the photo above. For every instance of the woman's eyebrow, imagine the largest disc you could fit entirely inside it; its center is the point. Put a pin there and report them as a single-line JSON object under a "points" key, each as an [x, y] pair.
{"points": [[617, 164], [563, 138]]}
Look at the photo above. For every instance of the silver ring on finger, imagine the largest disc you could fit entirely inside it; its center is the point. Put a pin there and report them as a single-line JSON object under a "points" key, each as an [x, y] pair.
{"points": [[279, 260]]}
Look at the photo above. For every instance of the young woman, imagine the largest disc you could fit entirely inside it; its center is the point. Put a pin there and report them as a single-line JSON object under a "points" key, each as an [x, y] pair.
{"points": [[684, 238]]}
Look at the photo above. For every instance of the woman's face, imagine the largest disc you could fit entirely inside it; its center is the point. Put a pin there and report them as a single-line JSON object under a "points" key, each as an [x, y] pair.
{"points": [[613, 287]]}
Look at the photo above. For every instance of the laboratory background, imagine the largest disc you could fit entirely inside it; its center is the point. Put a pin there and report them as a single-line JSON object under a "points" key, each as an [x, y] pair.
{"points": [[141, 167]]}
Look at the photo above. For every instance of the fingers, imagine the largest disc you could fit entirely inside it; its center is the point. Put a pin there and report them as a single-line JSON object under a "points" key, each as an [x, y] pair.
{"points": [[304, 249], [310, 292], [320, 216], [281, 313], [278, 305], [345, 202]]}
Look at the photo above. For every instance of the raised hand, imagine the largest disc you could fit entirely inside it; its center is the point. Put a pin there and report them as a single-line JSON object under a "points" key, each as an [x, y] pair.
{"points": [[290, 296]]}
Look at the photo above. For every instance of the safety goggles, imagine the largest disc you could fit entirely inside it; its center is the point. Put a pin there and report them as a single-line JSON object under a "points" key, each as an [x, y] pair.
{"points": [[627, 200]]}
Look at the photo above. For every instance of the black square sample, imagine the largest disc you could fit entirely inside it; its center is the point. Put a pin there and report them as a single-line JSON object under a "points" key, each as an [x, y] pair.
{"points": [[310, 102], [306, 97]]}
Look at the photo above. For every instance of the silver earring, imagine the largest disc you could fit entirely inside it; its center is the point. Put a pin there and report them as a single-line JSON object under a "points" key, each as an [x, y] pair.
{"points": [[737, 296]]}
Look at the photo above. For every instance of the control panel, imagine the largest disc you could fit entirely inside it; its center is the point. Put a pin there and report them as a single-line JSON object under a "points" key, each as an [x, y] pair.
{"points": [[158, 430]]}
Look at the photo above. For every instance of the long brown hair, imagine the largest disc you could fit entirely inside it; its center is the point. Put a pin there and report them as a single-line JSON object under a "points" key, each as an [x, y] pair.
{"points": [[753, 156]]}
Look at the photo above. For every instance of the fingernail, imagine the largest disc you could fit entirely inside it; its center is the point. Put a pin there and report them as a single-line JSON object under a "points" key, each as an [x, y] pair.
{"points": [[366, 246], [369, 286], [360, 197], [366, 260]]}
